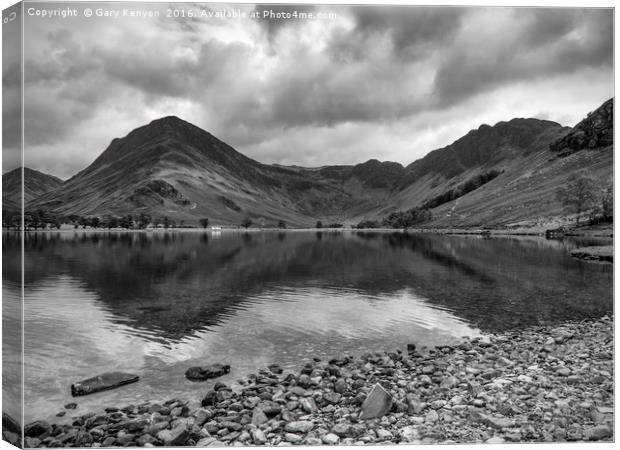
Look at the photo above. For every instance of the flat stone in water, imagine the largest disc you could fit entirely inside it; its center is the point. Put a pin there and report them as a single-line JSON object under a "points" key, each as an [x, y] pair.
{"points": [[207, 372], [108, 380]]}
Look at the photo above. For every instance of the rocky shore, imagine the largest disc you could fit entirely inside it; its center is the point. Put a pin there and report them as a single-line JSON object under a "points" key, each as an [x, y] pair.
{"points": [[544, 384]]}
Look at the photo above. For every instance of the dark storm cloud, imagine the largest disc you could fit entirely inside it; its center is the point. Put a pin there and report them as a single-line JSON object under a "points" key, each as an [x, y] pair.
{"points": [[286, 90], [410, 28], [545, 43]]}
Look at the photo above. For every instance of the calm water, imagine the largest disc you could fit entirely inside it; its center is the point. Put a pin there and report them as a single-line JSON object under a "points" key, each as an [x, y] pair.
{"points": [[155, 304]]}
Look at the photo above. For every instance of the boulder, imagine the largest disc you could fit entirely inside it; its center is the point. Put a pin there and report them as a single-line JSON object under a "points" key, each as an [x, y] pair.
{"points": [[36, 429], [202, 373], [108, 380], [377, 403], [175, 437]]}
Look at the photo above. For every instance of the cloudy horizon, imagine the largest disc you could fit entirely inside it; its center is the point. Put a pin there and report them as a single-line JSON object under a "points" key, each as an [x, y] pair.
{"points": [[390, 83]]}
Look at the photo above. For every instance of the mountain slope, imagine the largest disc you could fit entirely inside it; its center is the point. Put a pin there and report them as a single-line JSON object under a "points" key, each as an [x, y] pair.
{"points": [[173, 168], [36, 184]]}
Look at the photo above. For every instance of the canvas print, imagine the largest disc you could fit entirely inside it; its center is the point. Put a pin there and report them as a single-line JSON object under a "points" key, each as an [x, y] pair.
{"points": [[230, 224]]}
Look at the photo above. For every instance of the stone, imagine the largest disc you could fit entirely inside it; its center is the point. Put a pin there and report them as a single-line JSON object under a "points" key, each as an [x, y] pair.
{"points": [[71, 405], [332, 397], [564, 372], [409, 433], [258, 437], [300, 426], [297, 390], [340, 386], [201, 416], [258, 417], [202, 373], [384, 434], [205, 442], [495, 440], [308, 405], [312, 441], [175, 437], [275, 368], [431, 416], [342, 429], [330, 439], [292, 438], [36, 429], [377, 404], [145, 439], [597, 433], [103, 382]]}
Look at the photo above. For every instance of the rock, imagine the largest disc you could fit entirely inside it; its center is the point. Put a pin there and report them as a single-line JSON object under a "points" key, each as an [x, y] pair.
{"points": [[108, 380], [258, 437], [301, 426], [175, 437], [384, 434], [259, 417], [207, 372], [308, 405], [71, 406], [330, 439], [564, 372], [275, 368], [297, 390], [340, 386], [409, 433], [449, 382], [332, 397], [304, 380], [377, 404], [292, 438], [145, 440], [431, 416], [312, 441], [205, 442], [36, 429], [201, 416], [495, 440], [342, 430], [597, 433]]}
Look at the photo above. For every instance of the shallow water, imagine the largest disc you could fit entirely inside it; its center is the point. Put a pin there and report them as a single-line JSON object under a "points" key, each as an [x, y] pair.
{"points": [[155, 304]]}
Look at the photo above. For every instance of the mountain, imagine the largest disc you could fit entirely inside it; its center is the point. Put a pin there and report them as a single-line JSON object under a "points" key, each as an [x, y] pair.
{"points": [[595, 131], [173, 168], [35, 183]]}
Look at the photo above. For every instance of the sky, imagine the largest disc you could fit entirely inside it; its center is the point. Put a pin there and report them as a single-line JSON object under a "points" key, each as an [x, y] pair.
{"points": [[359, 82]]}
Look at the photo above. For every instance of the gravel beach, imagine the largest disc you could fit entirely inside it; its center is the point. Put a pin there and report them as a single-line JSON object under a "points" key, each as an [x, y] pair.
{"points": [[541, 384]]}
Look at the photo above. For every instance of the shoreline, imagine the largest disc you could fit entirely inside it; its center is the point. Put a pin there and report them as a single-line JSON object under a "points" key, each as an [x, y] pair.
{"points": [[540, 384], [443, 231]]}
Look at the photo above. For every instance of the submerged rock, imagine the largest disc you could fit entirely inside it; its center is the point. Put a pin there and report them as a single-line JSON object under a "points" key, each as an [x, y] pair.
{"points": [[207, 372], [109, 380]]}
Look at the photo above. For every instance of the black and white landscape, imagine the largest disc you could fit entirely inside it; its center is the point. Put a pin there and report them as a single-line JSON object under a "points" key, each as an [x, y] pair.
{"points": [[315, 225]]}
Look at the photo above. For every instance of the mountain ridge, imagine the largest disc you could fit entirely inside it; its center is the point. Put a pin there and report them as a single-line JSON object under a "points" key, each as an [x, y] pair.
{"points": [[172, 167]]}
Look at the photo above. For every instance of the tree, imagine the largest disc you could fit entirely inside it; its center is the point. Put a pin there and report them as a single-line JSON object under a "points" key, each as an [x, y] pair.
{"points": [[143, 220], [281, 224], [319, 224], [579, 194], [607, 202], [204, 223], [246, 222]]}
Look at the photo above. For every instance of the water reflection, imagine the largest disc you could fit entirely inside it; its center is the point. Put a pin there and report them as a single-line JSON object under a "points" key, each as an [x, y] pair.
{"points": [[147, 302]]}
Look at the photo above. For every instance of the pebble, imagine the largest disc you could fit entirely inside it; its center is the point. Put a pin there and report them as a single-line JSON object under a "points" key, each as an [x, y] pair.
{"points": [[511, 387]]}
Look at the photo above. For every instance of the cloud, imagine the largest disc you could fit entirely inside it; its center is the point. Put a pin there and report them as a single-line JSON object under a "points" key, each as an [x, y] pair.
{"points": [[504, 46], [383, 82]]}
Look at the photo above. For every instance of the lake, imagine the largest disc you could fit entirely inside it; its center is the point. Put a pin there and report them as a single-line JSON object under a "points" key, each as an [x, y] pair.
{"points": [[157, 303]]}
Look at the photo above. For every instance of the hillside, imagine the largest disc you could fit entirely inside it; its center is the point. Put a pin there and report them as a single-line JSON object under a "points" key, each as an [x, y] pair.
{"points": [[173, 168], [36, 184]]}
